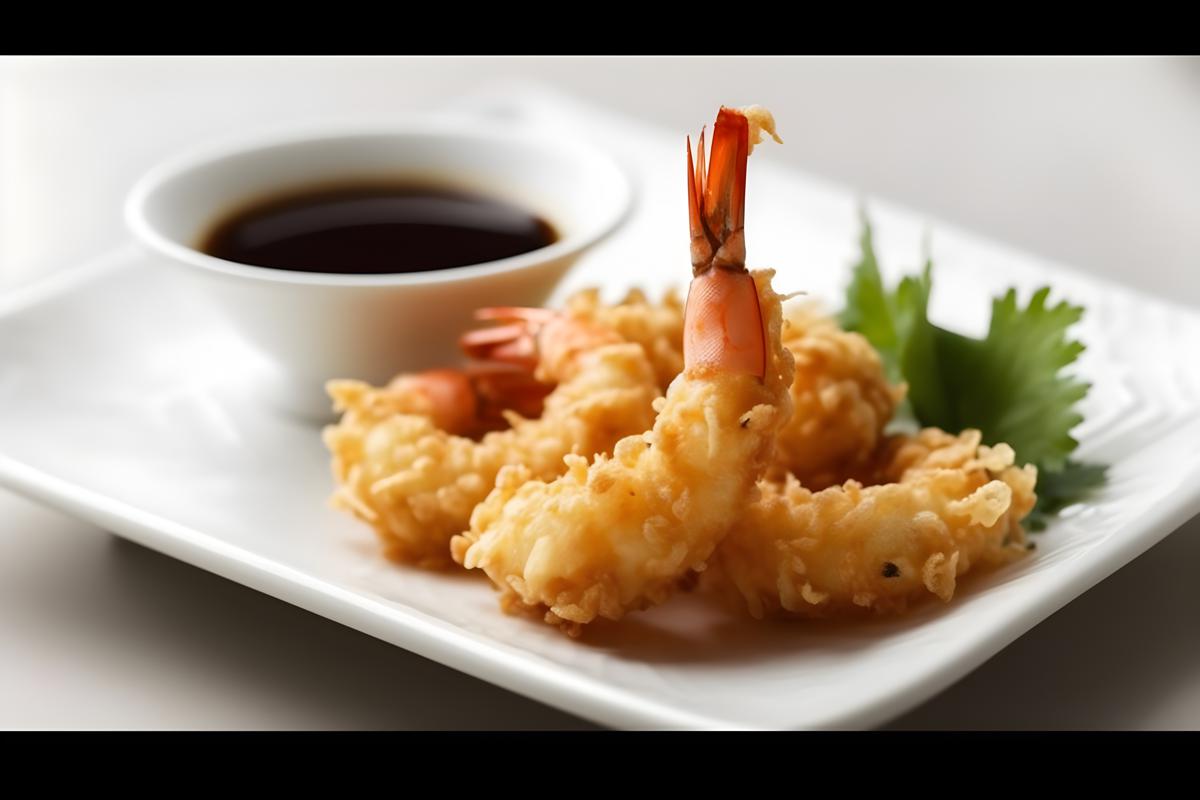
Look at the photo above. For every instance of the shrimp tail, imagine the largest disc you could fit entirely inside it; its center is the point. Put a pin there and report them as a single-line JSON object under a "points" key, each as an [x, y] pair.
{"points": [[723, 322], [717, 200]]}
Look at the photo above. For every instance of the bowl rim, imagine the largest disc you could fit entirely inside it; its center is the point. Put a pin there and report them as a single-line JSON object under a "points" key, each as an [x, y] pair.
{"points": [[466, 128]]}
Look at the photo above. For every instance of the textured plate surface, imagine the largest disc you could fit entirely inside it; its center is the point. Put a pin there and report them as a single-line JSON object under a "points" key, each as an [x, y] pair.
{"points": [[124, 400]]}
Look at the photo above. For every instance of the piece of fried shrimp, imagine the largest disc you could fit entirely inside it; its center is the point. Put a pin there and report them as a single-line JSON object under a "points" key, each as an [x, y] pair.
{"points": [[947, 505], [618, 534]]}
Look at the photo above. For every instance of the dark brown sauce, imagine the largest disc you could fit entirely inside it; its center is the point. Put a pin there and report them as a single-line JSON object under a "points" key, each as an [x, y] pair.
{"points": [[376, 229]]}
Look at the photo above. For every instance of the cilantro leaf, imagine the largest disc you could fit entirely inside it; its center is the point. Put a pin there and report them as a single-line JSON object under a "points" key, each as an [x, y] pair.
{"points": [[869, 309], [895, 323], [1009, 384]]}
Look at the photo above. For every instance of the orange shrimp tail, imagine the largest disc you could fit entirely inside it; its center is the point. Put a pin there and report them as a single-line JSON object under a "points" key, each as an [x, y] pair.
{"points": [[723, 327], [515, 342], [501, 387], [716, 195], [472, 401], [453, 405], [537, 340]]}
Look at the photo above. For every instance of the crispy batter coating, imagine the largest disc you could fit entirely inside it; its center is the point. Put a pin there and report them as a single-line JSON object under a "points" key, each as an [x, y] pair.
{"points": [[657, 327], [417, 485], [617, 536], [951, 504], [842, 399]]}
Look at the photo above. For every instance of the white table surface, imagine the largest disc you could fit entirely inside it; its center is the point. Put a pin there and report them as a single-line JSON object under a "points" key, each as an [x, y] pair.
{"points": [[1090, 161]]}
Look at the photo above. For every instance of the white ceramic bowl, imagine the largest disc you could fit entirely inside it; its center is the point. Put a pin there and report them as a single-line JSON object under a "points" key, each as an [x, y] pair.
{"points": [[317, 326]]}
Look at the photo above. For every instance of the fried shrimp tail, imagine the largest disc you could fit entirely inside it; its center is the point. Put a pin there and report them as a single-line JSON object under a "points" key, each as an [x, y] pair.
{"points": [[617, 534], [530, 338]]}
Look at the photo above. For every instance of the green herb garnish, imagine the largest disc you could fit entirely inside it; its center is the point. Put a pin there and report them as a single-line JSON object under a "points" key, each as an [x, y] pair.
{"points": [[1009, 384]]}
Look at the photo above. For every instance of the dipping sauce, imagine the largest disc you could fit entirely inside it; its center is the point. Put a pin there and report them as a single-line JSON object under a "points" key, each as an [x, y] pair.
{"points": [[376, 229]]}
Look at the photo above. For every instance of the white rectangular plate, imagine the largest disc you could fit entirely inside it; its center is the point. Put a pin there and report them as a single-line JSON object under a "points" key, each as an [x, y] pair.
{"points": [[125, 401]]}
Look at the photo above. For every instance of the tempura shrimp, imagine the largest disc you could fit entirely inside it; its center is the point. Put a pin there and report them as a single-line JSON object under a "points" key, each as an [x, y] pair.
{"points": [[945, 505], [842, 397], [405, 462], [843, 400], [618, 535]]}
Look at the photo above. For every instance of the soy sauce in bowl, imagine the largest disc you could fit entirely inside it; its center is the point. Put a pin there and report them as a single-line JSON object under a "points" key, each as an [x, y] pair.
{"points": [[376, 229]]}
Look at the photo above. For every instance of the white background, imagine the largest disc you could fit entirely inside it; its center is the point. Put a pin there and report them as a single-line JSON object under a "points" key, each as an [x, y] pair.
{"points": [[1092, 162]]}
